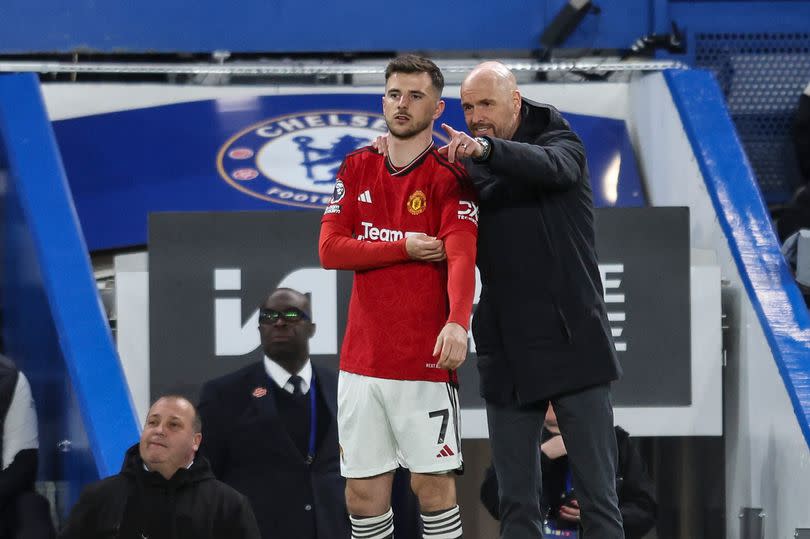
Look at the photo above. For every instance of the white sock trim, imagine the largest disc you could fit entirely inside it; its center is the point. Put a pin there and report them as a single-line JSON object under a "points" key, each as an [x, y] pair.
{"points": [[378, 527], [444, 525]]}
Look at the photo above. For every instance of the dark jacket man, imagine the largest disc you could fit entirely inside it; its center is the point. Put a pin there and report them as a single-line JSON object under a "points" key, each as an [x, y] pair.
{"points": [[250, 449], [541, 329], [137, 503], [535, 242], [258, 435]]}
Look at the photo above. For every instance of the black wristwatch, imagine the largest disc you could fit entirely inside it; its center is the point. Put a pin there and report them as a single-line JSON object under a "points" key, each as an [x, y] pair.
{"points": [[487, 148]]}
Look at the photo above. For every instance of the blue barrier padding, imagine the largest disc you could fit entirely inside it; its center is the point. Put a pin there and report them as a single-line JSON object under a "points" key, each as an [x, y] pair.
{"points": [[746, 223], [46, 212]]}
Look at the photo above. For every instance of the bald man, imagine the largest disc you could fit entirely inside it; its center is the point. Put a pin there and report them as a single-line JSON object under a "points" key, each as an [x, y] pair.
{"points": [[541, 328], [164, 488]]}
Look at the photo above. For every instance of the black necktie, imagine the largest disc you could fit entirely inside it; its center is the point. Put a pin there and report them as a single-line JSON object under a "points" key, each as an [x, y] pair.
{"points": [[296, 382]]}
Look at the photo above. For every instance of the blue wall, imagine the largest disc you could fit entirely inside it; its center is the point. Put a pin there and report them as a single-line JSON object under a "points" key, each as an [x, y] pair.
{"points": [[306, 25], [362, 25]]}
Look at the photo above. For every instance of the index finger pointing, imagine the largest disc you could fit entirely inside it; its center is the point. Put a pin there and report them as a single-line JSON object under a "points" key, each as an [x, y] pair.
{"points": [[449, 130]]}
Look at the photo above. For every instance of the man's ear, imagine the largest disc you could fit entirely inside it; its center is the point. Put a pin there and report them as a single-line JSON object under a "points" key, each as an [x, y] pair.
{"points": [[517, 101], [197, 441], [311, 331], [439, 109]]}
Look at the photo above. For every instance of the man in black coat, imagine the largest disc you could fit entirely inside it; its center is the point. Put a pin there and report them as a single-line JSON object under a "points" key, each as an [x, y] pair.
{"points": [[558, 500], [164, 490], [270, 430], [541, 329]]}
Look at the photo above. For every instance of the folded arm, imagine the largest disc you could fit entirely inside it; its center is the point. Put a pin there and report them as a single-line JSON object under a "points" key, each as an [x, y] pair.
{"points": [[339, 250]]}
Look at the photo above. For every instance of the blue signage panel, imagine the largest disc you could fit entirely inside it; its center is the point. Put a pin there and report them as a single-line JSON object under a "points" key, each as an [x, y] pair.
{"points": [[258, 153]]}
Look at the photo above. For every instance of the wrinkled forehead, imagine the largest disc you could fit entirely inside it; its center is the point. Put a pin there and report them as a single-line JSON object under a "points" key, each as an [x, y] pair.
{"points": [[168, 408]]}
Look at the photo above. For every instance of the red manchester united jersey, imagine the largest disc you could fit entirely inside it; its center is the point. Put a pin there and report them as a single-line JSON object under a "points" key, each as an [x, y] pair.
{"points": [[396, 312]]}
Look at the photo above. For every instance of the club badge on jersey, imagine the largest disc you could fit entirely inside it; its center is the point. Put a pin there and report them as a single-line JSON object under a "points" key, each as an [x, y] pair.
{"points": [[417, 203]]}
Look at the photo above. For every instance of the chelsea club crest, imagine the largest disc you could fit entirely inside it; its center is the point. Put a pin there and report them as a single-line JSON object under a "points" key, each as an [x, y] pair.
{"points": [[294, 159]]}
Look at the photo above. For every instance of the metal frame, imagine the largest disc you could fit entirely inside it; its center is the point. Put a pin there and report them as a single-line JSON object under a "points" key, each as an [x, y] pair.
{"points": [[281, 68]]}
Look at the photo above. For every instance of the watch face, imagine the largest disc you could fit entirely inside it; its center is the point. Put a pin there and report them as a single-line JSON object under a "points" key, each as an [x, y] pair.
{"points": [[485, 145]]}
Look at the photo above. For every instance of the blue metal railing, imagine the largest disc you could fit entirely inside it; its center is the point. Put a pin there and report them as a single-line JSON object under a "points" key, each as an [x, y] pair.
{"points": [[53, 323]]}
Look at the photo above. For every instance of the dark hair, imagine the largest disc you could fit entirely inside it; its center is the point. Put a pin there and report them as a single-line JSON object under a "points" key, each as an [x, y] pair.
{"points": [[196, 423], [416, 64]]}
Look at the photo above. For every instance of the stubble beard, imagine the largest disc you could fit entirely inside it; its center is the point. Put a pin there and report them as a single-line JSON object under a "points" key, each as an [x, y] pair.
{"points": [[406, 133]]}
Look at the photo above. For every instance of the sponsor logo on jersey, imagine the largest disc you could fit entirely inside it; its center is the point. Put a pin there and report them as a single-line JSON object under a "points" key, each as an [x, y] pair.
{"points": [[468, 210], [417, 202], [294, 159], [373, 233]]}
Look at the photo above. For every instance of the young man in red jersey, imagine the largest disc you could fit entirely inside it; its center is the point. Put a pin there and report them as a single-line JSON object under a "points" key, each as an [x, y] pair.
{"points": [[406, 223]]}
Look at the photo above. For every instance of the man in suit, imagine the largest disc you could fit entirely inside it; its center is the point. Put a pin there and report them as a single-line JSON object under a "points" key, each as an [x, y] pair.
{"points": [[541, 329], [269, 429]]}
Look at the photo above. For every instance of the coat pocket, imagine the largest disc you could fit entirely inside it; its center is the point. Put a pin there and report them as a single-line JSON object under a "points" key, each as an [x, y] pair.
{"points": [[495, 378], [484, 329], [546, 325]]}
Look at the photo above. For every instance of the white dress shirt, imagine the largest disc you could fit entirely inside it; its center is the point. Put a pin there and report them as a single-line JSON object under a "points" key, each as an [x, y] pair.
{"points": [[282, 378]]}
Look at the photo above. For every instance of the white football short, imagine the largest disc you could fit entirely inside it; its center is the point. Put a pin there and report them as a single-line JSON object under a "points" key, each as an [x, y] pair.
{"points": [[384, 424]]}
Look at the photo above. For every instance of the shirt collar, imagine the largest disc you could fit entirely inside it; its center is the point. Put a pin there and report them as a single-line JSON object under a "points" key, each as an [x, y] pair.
{"points": [[282, 378], [190, 464]]}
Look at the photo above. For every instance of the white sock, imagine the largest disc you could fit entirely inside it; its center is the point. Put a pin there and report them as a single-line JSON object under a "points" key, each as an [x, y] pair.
{"points": [[379, 527], [444, 524]]}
